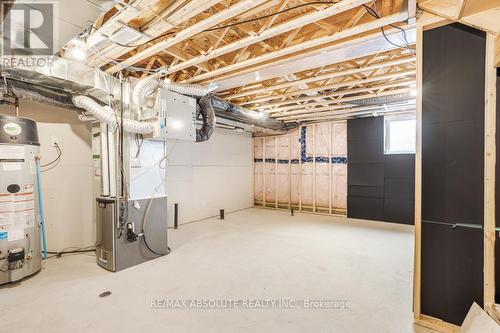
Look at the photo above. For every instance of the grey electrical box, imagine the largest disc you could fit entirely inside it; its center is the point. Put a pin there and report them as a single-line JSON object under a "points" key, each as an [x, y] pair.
{"points": [[177, 116]]}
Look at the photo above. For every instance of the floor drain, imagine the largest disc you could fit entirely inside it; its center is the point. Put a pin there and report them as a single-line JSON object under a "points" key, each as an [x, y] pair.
{"points": [[105, 294]]}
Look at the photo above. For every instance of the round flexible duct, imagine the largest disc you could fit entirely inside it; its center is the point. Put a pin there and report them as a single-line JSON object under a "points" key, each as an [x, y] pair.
{"points": [[100, 113], [143, 88], [208, 115], [85, 118], [134, 126], [187, 88], [107, 115]]}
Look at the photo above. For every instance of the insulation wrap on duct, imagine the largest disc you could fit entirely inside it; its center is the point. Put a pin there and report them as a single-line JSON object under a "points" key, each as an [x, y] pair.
{"points": [[103, 114], [134, 126], [207, 112], [107, 115], [234, 112], [37, 93], [143, 88], [42, 88], [186, 88]]}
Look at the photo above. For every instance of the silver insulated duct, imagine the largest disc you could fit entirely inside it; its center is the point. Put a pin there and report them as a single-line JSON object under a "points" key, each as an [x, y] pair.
{"points": [[57, 84]]}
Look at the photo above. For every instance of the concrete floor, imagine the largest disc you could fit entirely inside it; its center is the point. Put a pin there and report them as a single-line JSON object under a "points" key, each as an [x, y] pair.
{"points": [[253, 254]]}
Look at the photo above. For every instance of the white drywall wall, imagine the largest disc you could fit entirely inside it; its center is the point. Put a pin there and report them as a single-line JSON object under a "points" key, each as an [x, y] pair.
{"points": [[202, 177], [205, 177]]}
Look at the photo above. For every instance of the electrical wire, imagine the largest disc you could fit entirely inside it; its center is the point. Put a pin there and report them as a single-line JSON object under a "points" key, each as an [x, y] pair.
{"points": [[374, 13], [57, 159], [143, 231], [72, 250], [273, 14], [221, 27], [139, 140]]}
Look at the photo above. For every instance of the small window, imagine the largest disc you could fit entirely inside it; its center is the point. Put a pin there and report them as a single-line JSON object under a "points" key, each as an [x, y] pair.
{"points": [[400, 135]]}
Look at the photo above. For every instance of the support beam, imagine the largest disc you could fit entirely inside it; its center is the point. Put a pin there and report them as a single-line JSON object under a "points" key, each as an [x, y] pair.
{"points": [[176, 16], [417, 264], [351, 48], [497, 51], [334, 104], [323, 113], [344, 114], [274, 31], [345, 72], [489, 171], [375, 24], [189, 32], [400, 83], [388, 76]]}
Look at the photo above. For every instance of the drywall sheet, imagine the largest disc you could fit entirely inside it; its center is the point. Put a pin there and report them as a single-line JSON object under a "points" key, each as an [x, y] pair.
{"points": [[305, 169], [452, 171]]}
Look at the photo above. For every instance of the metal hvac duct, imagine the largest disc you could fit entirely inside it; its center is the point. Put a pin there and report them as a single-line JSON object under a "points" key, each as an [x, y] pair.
{"points": [[382, 100], [57, 84]]}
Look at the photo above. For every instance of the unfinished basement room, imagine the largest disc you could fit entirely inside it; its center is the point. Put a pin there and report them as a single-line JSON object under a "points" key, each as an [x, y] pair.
{"points": [[249, 166]]}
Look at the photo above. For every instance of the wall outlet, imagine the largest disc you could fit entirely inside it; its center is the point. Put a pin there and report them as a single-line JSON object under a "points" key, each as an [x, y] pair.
{"points": [[54, 142]]}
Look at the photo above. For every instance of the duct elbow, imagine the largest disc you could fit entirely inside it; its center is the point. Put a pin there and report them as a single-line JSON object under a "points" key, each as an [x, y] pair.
{"points": [[143, 88], [208, 116], [187, 88], [103, 114]]}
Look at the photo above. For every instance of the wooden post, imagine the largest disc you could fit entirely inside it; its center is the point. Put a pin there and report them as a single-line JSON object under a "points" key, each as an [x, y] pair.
{"points": [[300, 171], [289, 172], [264, 172], [276, 183], [418, 182], [330, 164], [489, 171], [313, 141]]}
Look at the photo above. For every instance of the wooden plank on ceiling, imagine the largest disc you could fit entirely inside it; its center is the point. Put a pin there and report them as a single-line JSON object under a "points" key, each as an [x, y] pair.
{"points": [[395, 18], [271, 32], [175, 18], [189, 32], [388, 76], [340, 73]]}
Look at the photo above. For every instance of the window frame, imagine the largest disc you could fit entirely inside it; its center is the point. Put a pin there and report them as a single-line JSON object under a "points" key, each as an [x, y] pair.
{"points": [[387, 138]]}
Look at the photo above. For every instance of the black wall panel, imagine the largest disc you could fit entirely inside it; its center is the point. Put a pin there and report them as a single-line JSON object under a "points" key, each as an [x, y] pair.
{"points": [[365, 208], [380, 187], [366, 191], [452, 264], [366, 174], [452, 171]]}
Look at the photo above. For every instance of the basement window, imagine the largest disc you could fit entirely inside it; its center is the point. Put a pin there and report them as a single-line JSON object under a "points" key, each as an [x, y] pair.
{"points": [[400, 135]]}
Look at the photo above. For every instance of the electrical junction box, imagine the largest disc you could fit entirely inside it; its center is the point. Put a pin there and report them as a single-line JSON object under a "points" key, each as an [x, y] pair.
{"points": [[176, 116]]}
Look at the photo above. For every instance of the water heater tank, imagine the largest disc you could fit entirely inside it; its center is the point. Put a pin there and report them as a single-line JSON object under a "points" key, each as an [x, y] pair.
{"points": [[20, 254]]}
